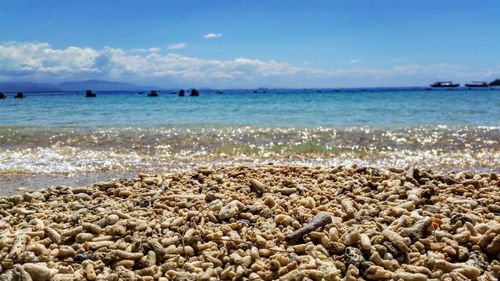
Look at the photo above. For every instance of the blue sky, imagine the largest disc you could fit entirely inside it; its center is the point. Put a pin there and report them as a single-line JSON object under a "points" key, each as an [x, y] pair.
{"points": [[254, 43]]}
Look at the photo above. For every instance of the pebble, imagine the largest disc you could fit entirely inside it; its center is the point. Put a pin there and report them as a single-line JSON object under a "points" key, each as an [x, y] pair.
{"points": [[261, 223]]}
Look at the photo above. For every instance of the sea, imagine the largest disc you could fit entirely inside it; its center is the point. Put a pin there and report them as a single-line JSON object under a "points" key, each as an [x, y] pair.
{"points": [[63, 138]]}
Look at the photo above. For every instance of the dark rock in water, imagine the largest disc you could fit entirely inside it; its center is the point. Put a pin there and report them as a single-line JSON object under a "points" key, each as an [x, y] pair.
{"points": [[194, 93], [19, 95], [181, 93], [153, 94], [255, 92], [220, 92], [90, 94], [2, 96]]}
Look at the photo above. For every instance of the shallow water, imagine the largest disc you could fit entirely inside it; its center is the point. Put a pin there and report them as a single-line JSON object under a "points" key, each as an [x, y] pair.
{"points": [[64, 138], [275, 108]]}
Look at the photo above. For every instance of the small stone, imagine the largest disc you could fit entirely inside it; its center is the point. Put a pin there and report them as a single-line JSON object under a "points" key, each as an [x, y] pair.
{"points": [[112, 219]]}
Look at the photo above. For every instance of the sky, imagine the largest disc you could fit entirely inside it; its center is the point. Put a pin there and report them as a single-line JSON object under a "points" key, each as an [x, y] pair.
{"points": [[241, 44]]}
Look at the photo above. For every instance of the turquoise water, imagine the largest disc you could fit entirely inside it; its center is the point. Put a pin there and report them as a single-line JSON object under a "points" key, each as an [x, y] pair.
{"points": [[299, 109], [65, 138]]}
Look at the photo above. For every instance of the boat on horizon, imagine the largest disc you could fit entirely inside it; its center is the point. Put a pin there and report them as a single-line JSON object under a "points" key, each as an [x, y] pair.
{"points": [[477, 84], [495, 83], [444, 84]]}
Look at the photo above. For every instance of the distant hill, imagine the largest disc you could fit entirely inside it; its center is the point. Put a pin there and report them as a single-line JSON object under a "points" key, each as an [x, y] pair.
{"points": [[27, 87], [100, 85], [94, 85]]}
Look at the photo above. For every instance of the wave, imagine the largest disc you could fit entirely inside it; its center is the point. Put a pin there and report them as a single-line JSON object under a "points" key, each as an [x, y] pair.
{"points": [[72, 150]]}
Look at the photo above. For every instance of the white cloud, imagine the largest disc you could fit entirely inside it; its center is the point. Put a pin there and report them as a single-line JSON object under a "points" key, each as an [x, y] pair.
{"points": [[177, 46], [42, 62], [30, 58], [138, 50], [354, 61], [437, 68], [212, 35]]}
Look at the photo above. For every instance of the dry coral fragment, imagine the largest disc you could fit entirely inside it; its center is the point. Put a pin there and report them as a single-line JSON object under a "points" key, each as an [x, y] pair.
{"points": [[352, 273], [467, 270], [232, 209], [287, 190], [352, 238], [318, 221], [388, 264], [207, 227], [65, 252], [90, 272], [395, 239], [92, 228], [418, 230], [375, 272], [416, 269], [348, 208], [38, 249], [257, 186], [84, 237], [157, 247], [53, 235], [124, 255], [18, 246], [454, 276], [365, 242], [95, 245], [407, 276], [72, 232], [18, 273], [39, 272]]}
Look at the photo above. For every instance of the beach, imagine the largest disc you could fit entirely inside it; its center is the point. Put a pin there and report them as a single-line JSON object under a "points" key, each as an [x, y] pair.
{"points": [[264, 223], [287, 184], [63, 138], [249, 140]]}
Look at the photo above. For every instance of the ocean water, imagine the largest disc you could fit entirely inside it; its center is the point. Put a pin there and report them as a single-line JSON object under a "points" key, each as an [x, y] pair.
{"points": [[65, 138]]}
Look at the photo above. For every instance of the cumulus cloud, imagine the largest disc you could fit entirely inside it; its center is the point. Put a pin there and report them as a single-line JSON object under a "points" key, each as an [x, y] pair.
{"points": [[29, 58], [42, 62], [177, 46], [212, 35]]}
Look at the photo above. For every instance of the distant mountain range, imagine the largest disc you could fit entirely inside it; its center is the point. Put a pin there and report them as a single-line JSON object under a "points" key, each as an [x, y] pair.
{"points": [[94, 85]]}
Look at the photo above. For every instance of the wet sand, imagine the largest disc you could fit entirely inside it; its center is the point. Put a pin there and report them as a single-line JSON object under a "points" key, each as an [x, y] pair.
{"points": [[261, 223]]}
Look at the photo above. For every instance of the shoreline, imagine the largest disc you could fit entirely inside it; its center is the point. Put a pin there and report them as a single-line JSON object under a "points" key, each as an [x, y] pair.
{"points": [[264, 222], [34, 158], [15, 183]]}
